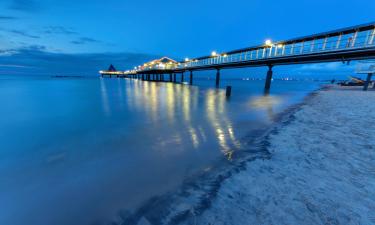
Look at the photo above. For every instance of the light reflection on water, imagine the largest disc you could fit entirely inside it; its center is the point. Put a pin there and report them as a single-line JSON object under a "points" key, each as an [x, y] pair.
{"points": [[85, 148]]}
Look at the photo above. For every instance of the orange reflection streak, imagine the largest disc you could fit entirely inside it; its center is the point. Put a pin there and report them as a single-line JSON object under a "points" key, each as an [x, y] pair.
{"points": [[170, 103], [266, 103], [212, 103]]}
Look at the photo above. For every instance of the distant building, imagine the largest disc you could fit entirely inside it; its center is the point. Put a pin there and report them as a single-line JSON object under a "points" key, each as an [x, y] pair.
{"points": [[162, 64], [111, 71]]}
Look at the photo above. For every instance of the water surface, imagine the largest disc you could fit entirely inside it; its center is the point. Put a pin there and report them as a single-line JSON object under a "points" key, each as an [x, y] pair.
{"points": [[78, 150]]}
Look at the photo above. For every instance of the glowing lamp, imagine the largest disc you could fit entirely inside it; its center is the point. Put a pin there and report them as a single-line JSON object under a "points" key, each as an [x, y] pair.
{"points": [[268, 42]]}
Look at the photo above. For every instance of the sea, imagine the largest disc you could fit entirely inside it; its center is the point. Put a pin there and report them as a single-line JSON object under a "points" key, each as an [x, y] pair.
{"points": [[79, 150]]}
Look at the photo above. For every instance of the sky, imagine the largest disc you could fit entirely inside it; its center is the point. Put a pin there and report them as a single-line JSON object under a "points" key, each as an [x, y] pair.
{"points": [[84, 36]]}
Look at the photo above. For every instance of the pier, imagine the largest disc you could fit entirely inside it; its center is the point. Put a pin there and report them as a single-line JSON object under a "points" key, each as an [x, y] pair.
{"points": [[345, 45]]}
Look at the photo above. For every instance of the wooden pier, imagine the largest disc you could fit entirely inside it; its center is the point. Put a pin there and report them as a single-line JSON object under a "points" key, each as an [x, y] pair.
{"points": [[343, 45]]}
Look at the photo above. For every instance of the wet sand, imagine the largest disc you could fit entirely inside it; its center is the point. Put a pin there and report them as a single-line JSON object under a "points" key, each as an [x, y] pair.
{"points": [[320, 169]]}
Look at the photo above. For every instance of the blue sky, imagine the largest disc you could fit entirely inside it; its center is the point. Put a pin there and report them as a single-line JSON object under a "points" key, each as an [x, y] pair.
{"points": [[97, 32]]}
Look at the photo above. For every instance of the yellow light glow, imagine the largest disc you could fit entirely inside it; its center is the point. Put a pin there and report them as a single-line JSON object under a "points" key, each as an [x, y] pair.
{"points": [[214, 53], [280, 45], [186, 59], [225, 55]]}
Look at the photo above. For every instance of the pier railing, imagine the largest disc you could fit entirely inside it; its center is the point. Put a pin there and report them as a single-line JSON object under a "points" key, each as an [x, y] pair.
{"points": [[352, 38], [351, 43]]}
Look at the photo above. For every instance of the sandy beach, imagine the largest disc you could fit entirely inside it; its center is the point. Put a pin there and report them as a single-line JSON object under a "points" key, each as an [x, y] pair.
{"points": [[321, 169]]}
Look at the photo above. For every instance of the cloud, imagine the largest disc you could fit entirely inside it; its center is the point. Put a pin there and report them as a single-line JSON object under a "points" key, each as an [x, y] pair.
{"points": [[20, 32], [59, 30], [7, 17], [24, 5], [14, 66], [36, 60], [85, 40], [23, 33]]}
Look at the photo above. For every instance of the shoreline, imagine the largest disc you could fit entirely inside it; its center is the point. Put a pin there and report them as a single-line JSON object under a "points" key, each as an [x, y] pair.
{"points": [[197, 193], [313, 174]]}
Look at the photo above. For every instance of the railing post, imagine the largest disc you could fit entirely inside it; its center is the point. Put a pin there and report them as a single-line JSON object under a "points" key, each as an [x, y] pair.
{"points": [[292, 49], [354, 38], [264, 52], [217, 83], [267, 85], [270, 54], [372, 37], [338, 41], [325, 43]]}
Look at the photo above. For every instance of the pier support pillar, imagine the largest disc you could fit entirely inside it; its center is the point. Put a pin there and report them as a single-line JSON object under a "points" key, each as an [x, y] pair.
{"points": [[191, 78], [170, 77], [217, 83], [228, 91], [368, 80], [267, 85], [174, 78], [182, 77], [162, 77]]}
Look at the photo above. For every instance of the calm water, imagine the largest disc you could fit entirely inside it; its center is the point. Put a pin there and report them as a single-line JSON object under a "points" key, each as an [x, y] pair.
{"points": [[76, 151]]}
